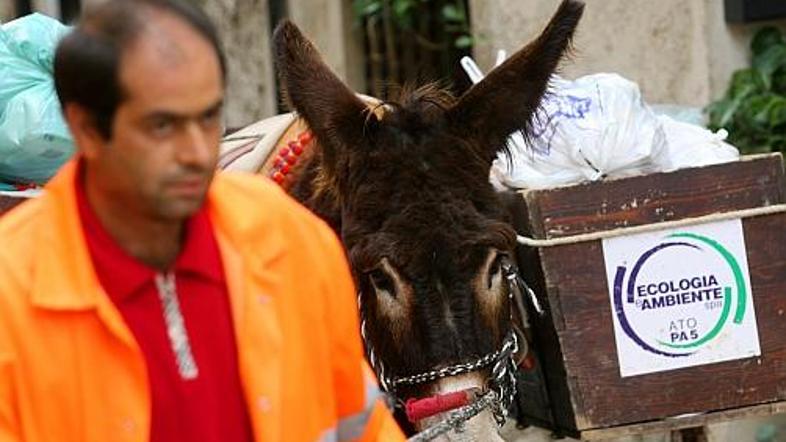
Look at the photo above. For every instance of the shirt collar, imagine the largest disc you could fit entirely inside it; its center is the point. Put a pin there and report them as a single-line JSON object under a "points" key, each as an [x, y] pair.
{"points": [[122, 275], [200, 254]]}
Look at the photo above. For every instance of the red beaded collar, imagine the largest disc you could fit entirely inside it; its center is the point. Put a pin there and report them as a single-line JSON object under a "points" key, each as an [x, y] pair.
{"points": [[290, 156]]}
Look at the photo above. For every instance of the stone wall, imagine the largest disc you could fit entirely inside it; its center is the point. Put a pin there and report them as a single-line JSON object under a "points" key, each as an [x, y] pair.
{"points": [[244, 27], [678, 51], [48, 7], [6, 10], [329, 24]]}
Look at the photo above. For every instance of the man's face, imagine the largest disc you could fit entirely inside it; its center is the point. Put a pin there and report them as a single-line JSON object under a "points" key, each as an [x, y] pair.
{"points": [[165, 135]]}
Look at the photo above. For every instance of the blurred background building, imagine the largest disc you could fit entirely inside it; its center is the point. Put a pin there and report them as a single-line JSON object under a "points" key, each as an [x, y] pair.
{"points": [[680, 52]]}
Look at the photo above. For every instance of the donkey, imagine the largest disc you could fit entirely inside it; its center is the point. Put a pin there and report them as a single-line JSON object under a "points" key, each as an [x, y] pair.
{"points": [[406, 187]]}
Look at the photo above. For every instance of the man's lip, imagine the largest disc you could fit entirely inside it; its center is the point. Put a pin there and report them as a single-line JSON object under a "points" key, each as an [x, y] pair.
{"points": [[188, 186]]}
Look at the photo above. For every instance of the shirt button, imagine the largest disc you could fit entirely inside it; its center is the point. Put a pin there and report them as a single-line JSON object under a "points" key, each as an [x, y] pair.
{"points": [[263, 299], [264, 404], [128, 425]]}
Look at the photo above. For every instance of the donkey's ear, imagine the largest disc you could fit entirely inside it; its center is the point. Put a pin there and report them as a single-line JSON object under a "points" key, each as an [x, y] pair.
{"points": [[334, 113], [507, 99]]}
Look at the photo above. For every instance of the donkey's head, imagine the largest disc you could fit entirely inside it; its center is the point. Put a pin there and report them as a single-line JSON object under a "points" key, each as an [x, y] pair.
{"points": [[426, 234]]}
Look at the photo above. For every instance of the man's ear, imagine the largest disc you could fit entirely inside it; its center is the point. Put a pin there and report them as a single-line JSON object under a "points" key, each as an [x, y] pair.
{"points": [[82, 124]]}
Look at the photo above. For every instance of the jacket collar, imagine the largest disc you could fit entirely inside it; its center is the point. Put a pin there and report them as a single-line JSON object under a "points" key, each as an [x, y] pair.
{"points": [[64, 278]]}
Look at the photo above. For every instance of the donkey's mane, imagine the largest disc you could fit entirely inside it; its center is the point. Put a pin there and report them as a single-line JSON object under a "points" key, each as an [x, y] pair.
{"points": [[424, 100], [414, 112]]}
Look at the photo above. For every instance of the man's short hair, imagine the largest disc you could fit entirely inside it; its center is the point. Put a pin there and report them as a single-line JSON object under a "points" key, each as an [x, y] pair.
{"points": [[87, 60]]}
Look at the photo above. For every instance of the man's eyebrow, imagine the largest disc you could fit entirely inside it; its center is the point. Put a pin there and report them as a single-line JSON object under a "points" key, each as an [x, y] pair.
{"points": [[214, 108], [170, 115]]}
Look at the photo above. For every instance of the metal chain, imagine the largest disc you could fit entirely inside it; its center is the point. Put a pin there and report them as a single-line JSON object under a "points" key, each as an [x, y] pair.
{"points": [[456, 419], [503, 372], [453, 370], [504, 377], [376, 364]]}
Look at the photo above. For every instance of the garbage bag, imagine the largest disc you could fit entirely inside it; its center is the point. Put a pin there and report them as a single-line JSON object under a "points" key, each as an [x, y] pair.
{"points": [[694, 146], [34, 138], [598, 127], [593, 128]]}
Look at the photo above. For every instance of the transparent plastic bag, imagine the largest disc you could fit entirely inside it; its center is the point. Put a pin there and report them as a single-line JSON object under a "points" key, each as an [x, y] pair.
{"points": [[34, 138]]}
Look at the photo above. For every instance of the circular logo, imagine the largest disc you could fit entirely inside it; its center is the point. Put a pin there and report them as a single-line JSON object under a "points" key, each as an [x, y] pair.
{"points": [[674, 299]]}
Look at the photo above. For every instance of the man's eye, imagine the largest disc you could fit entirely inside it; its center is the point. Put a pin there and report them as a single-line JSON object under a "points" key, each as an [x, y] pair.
{"points": [[211, 118], [162, 127]]}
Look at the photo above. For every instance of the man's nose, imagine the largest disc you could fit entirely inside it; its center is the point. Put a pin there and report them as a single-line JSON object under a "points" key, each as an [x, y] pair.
{"points": [[197, 146]]}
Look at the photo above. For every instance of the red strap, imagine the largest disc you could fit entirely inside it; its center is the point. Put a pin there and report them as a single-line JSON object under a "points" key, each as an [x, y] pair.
{"points": [[418, 409]]}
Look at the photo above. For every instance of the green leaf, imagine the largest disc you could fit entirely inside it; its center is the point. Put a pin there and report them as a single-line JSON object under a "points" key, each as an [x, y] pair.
{"points": [[777, 111], [769, 61], [745, 82], [402, 8], [779, 81], [765, 38], [719, 114], [754, 107], [722, 112], [452, 13], [756, 114], [463, 42], [366, 8], [372, 8], [756, 110]]}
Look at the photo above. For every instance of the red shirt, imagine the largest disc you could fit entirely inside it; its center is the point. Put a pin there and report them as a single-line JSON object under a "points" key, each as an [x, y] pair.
{"points": [[209, 408]]}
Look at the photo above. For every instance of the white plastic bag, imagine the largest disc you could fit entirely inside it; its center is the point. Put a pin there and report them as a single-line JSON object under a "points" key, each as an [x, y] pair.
{"points": [[598, 127], [593, 128], [693, 146]]}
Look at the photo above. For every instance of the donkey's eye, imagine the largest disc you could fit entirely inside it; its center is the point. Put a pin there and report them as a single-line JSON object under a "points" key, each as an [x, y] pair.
{"points": [[495, 270], [382, 281]]}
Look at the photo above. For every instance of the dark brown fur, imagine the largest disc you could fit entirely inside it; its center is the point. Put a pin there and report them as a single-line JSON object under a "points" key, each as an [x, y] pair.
{"points": [[412, 187]]}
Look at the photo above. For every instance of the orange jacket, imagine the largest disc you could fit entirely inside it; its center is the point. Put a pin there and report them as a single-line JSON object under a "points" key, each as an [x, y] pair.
{"points": [[70, 369]]}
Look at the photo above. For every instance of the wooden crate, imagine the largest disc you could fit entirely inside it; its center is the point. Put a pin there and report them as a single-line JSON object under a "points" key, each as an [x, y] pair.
{"points": [[577, 388]]}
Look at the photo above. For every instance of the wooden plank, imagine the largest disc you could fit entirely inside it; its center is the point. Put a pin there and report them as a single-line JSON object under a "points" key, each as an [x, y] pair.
{"points": [[553, 388], [687, 421], [754, 182]]}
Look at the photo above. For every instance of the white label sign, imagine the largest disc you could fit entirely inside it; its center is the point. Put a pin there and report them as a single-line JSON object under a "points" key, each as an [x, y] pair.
{"points": [[681, 297]]}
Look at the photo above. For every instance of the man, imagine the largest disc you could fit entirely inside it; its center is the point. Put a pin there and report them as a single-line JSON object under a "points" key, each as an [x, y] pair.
{"points": [[142, 298]]}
